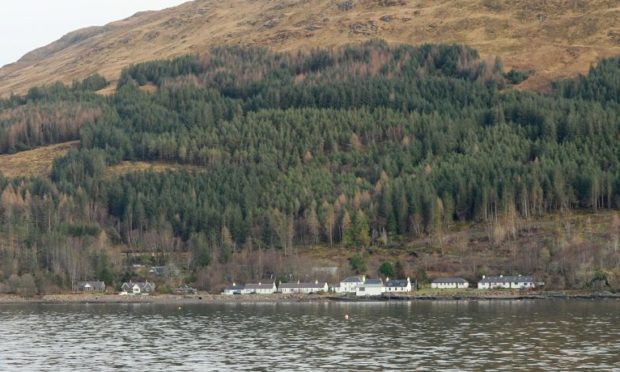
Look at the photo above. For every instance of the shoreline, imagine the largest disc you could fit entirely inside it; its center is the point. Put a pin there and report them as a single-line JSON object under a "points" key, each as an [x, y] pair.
{"points": [[210, 299]]}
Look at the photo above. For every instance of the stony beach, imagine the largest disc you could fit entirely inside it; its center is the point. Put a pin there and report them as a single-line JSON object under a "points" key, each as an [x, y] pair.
{"points": [[205, 298]]}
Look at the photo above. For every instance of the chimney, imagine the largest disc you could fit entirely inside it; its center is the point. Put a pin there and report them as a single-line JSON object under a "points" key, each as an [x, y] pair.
{"points": [[234, 283], [297, 281], [501, 275], [387, 278], [316, 281], [363, 278], [259, 283], [484, 276]]}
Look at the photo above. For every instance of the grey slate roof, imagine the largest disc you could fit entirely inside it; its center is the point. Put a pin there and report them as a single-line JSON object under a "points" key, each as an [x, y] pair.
{"points": [[397, 283], [235, 287], [303, 285], [353, 279], [144, 286], [507, 279], [159, 270], [373, 283], [449, 280], [259, 286]]}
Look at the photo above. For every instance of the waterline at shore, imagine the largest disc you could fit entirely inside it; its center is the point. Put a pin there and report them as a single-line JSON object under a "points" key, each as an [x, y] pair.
{"points": [[205, 298]]}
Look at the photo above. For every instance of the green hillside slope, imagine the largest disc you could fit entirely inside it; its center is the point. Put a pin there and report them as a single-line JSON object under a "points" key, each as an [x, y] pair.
{"points": [[363, 149]]}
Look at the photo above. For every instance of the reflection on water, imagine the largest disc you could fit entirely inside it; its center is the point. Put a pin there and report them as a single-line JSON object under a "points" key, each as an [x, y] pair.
{"points": [[462, 335]]}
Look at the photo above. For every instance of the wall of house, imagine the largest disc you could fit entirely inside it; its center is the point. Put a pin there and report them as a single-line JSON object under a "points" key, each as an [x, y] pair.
{"points": [[348, 287], [449, 285], [511, 285], [369, 291], [397, 289]]}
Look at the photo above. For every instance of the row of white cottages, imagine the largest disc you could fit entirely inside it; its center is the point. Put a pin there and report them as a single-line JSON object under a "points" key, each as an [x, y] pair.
{"points": [[359, 285], [487, 282]]}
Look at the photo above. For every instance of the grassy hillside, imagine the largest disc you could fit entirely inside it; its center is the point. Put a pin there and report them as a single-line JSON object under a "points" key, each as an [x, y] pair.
{"points": [[554, 38], [36, 162]]}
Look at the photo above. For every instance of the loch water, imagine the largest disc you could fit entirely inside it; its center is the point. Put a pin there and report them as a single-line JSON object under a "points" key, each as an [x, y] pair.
{"points": [[418, 335]]}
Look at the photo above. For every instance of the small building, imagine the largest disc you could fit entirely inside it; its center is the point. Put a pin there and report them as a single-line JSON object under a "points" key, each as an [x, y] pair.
{"points": [[234, 289], [350, 284], [313, 287], [185, 290], [449, 283], [260, 288], [370, 287], [506, 282], [90, 286], [397, 285], [138, 288], [158, 270]]}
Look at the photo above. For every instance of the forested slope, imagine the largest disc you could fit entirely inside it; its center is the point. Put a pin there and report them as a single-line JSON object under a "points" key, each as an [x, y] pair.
{"points": [[365, 147]]}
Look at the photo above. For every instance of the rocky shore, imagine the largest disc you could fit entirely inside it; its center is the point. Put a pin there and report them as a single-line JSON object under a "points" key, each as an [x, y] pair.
{"points": [[205, 298], [202, 298]]}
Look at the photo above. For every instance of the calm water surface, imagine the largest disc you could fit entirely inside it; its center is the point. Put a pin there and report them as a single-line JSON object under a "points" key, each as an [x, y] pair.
{"points": [[443, 335]]}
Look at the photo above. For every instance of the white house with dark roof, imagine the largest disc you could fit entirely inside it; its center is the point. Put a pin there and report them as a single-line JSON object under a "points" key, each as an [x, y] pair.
{"points": [[138, 288], [449, 283], [370, 287], [506, 282], [350, 284], [260, 288], [397, 285], [90, 286], [312, 287]]}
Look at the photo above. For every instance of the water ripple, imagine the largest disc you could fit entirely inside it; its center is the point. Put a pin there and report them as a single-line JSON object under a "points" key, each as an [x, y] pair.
{"points": [[454, 335]]}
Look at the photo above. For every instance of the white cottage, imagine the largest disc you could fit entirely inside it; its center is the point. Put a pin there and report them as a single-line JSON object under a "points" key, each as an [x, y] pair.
{"points": [[314, 287], [138, 288], [397, 285], [506, 282], [260, 288], [370, 287], [350, 284], [449, 283]]}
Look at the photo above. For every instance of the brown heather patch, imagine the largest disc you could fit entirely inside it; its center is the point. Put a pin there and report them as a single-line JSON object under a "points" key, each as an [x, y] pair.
{"points": [[556, 38], [37, 162]]}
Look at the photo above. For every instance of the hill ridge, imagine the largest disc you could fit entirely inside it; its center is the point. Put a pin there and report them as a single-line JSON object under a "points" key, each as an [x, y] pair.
{"points": [[554, 38]]}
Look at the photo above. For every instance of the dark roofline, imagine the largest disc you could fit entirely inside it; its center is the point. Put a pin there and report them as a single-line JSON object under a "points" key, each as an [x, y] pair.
{"points": [[373, 282], [450, 280], [353, 279], [303, 285], [234, 287], [259, 286], [397, 283]]}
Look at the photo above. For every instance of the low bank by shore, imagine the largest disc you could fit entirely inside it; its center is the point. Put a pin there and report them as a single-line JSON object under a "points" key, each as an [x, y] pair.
{"points": [[205, 298]]}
